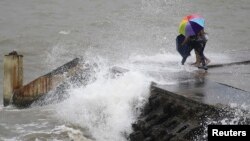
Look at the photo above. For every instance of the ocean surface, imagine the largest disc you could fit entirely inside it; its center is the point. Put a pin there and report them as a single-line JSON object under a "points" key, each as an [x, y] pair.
{"points": [[135, 34]]}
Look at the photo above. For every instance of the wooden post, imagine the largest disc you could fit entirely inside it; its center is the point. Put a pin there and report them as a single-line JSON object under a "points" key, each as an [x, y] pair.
{"points": [[13, 75]]}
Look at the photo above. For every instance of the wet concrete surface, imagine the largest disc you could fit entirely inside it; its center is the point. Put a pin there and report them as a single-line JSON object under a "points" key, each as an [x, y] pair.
{"points": [[225, 83], [208, 92], [182, 110], [237, 76], [234, 72]]}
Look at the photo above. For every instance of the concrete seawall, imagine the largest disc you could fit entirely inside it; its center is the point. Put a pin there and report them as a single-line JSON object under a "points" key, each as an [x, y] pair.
{"points": [[183, 111]]}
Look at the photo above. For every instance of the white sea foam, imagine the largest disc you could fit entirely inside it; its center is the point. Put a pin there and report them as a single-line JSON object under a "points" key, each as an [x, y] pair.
{"points": [[160, 57], [106, 107], [58, 133], [72, 134], [64, 32]]}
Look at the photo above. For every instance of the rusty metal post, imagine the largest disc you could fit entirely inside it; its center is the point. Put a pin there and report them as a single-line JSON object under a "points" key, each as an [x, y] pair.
{"points": [[13, 75]]}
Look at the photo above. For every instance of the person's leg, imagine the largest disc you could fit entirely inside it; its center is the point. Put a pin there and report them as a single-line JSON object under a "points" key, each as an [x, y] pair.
{"points": [[207, 60], [200, 50], [202, 56], [198, 59]]}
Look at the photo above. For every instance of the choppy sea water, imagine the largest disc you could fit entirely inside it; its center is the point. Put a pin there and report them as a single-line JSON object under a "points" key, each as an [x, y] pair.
{"points": [[50, 33]]}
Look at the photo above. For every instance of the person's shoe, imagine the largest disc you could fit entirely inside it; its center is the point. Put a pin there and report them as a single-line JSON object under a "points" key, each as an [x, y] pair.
{"points": [[203, 67]]}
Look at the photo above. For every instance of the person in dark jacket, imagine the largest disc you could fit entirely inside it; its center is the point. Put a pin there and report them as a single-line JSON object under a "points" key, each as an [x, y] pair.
{"points": [[198, 43]]}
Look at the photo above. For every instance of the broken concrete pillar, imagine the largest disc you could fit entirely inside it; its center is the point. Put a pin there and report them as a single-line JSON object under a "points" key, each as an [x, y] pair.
{"points": [[13, 75]]}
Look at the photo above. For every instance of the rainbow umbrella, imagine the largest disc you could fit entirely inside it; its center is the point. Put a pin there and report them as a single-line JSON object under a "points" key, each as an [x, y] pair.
{"points": [[191, 25]]}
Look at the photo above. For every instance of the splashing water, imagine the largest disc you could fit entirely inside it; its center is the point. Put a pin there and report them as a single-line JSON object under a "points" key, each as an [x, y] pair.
{"points": [[106, 107]]}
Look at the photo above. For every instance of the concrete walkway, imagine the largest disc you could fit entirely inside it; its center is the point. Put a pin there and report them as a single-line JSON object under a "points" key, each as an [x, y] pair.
{"points": [[224, 83], [208, 92]]}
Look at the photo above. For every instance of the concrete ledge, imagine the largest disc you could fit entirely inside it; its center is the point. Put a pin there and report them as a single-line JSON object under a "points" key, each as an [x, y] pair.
{"points": [[183, 110], [32, 91], [229, 64], [208, 92]]}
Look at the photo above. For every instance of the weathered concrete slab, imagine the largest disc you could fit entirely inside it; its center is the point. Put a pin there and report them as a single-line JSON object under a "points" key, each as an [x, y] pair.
{"points": [[182, 110], [208, 92], [229, 64], [30, 92], [236, 58]]}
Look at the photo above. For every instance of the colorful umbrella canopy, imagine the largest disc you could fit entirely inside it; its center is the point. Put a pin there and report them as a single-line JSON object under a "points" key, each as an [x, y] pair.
{"points": [[191, 25]]}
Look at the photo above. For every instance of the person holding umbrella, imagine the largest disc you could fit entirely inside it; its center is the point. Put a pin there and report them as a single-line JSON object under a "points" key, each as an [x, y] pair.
{"points": [[192, 27]]}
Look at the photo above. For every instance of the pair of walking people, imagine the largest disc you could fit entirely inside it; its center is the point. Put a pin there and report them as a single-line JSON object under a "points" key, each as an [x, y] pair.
{"points": [[192, 36], [197, 42]]}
